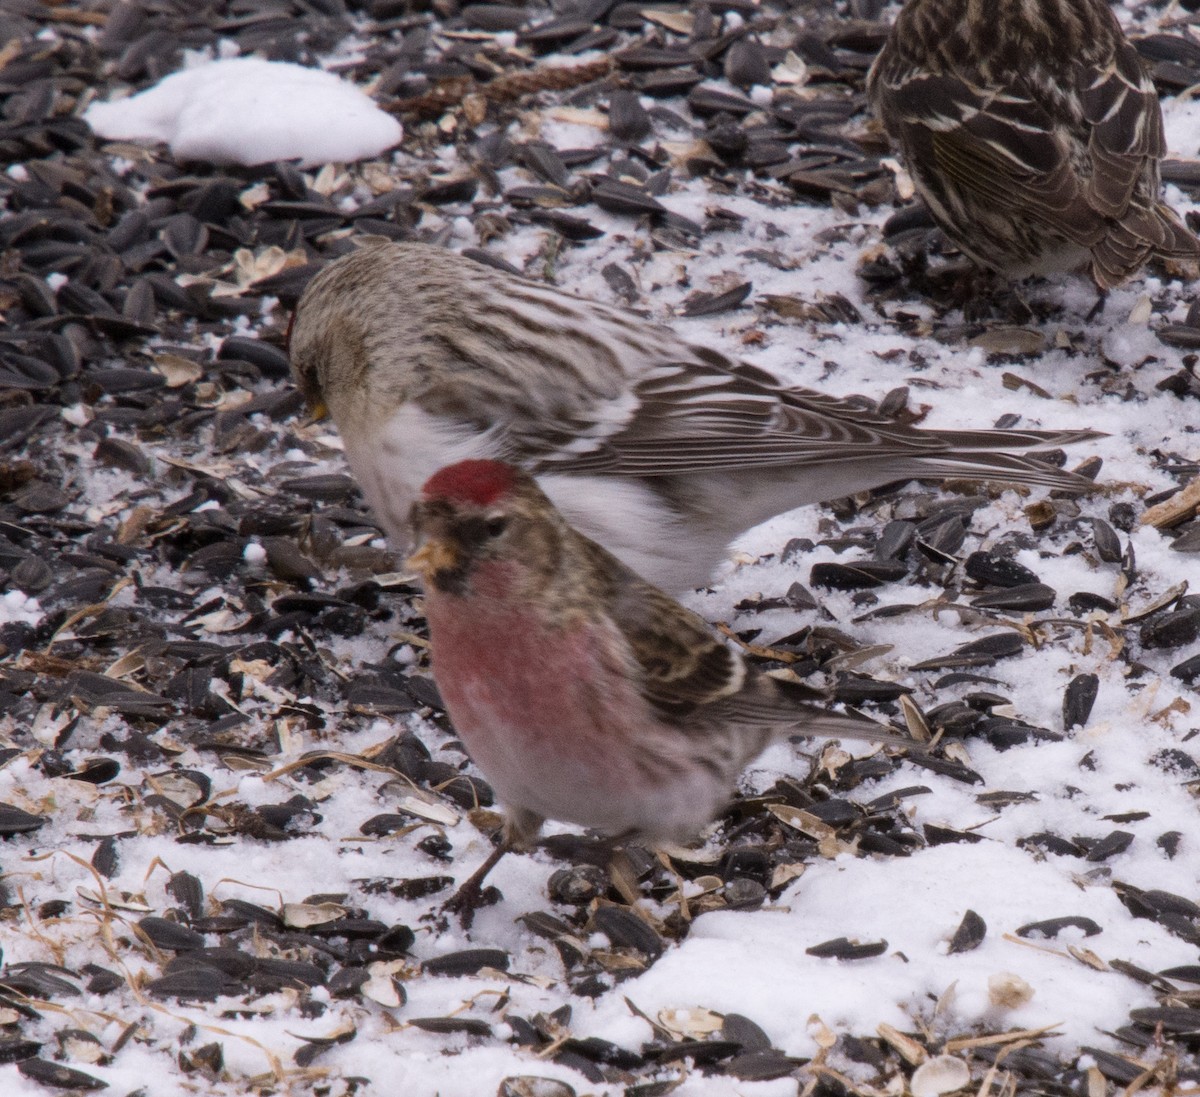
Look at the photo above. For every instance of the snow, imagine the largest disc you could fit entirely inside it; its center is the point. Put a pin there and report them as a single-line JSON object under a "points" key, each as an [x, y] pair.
{"points": [[1181, 128], [17, 606], [756, 964], [249, 111]]}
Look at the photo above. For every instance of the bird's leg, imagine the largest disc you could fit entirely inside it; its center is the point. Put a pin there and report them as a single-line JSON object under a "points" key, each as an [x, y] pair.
{"points": [[520, 828], [469, 897], [1098, 307]]}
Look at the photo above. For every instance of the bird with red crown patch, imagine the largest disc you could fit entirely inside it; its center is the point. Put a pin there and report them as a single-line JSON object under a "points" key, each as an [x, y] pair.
{"points": [[583, 693]]}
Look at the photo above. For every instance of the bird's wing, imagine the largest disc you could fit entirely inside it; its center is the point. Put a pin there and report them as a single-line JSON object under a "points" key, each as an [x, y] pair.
{"points": [[694, 681], [609, 391], [681, 667], [705, 413], [693, 415], [557, 383], [560, 384], [1000, 147], [1003, 147], [1120, 104]]}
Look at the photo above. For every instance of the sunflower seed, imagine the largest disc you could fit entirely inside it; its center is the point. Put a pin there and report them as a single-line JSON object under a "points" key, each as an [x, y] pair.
{"points": [[842, 948], [58, 1076], [1078, 700], [970, 933], [468, 962], [1052, 927]]}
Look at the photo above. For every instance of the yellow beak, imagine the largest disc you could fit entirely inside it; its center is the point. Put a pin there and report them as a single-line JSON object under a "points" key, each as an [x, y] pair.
{"points": [[434, 556], [317, 410]]}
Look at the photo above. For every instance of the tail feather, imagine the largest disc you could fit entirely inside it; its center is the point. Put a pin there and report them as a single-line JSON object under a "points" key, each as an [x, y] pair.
{"points": [[786, 706], [1009, 440], [832, 725], [1179, 241], [1130, 242], [1011, 467]]}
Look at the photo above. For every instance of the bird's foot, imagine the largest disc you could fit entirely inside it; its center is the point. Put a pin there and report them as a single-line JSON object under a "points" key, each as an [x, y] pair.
{"points": [[472, 895]]}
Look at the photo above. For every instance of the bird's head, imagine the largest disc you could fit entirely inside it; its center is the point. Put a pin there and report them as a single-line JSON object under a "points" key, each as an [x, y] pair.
{"points": [[354, 306], [484, 521], [305, 372], [326, 346]]}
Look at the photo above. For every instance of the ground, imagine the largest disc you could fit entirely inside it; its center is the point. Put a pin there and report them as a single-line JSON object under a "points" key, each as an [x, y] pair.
{"points": [[231, 804]]}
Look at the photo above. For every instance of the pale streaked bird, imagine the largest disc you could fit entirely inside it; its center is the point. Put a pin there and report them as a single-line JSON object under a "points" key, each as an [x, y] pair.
{"points": [[661, 450]]}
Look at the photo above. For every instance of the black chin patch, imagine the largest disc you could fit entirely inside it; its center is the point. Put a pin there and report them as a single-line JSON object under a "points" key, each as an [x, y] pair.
{"points": [[450, 581]]}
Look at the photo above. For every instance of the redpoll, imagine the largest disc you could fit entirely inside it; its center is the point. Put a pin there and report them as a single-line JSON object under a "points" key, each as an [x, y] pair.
{"points": [[1033, 132], [660, 450], [583, 693]]}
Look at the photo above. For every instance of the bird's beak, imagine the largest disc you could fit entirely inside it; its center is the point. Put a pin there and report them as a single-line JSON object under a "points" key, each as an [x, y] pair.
{"points": [[435, 555], [316, 410]]}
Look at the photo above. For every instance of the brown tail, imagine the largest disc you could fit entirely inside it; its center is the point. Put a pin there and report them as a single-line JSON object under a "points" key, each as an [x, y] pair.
{"points": [[1157, 231]]}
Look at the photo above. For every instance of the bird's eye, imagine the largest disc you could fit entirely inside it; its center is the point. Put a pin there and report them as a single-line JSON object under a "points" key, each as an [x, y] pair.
{"points": [[496, 526]]}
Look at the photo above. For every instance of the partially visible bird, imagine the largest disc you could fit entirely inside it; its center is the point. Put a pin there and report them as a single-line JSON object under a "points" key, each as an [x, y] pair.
{"points": [[1033, 132], [583, 693], [661, 450]]}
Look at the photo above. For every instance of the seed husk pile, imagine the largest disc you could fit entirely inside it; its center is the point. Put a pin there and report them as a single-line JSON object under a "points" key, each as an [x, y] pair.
{"points": [[197, 603]]}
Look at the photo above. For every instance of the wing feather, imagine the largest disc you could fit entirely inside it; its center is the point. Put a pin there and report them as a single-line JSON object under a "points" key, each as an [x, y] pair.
{"points": [[693, 417], [696, 682], [683, 668]]}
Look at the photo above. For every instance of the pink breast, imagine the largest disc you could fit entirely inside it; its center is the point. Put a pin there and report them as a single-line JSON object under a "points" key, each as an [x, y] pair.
{"points": [[540, 710]]}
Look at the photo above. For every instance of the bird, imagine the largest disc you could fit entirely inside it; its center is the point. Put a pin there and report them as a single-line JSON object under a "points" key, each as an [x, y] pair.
{"points": [[582, 692], [1033, 132], [662, 450]]}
